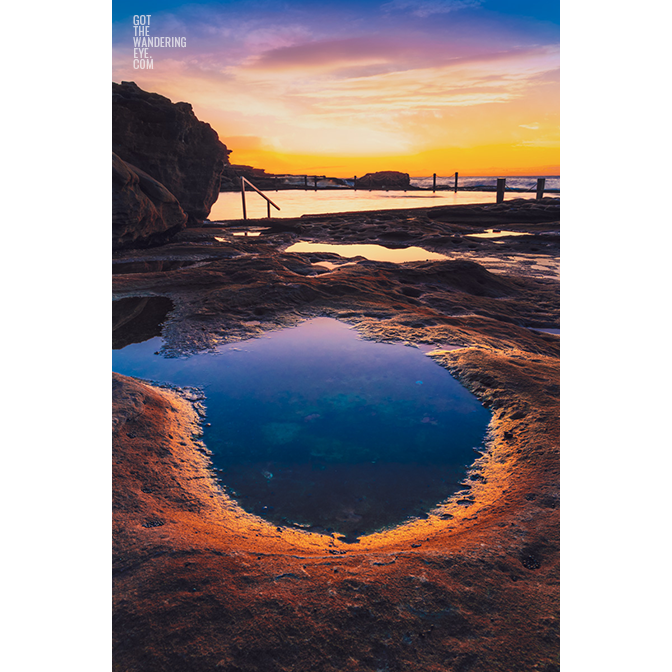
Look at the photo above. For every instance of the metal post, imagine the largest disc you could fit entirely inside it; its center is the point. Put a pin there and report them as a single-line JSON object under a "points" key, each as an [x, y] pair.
{"points": [[242, 192], [541, 185], [501, 184], [305, 181], [354, 183], [315, 181], [455, 181], [434, 185]]}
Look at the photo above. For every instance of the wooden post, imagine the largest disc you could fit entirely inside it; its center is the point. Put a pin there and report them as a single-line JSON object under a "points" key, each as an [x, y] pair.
{"points": [[242, 192], [541, 185], [434, 185], [501, 184], [455, 181]]}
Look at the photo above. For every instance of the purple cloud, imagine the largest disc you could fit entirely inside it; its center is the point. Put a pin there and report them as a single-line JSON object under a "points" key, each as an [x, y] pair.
{"points": [[429, 7]]}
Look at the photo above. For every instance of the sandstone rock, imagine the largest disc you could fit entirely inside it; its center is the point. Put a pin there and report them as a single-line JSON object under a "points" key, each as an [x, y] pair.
{"points": [[144, 212], [168, 142], [386, 179]]}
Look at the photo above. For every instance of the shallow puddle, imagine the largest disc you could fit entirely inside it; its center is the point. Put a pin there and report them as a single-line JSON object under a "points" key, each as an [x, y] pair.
{"points": [[314, 426], [252, 231], [369, 251], [496, 233], [555, 332], [333, 266]]}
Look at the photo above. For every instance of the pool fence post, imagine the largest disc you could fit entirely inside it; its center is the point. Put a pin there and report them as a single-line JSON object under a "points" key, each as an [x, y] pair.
{"points": [[434, 184], [541, 185], [455, 181], [242, 193], [501, 184]]}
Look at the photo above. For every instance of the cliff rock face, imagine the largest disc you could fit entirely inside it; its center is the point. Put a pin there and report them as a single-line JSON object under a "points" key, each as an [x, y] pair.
{"points": [[168, 142], [144, 212], [386, 179]]}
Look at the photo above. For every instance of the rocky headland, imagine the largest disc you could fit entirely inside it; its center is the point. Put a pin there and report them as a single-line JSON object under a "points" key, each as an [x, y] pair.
{"points": [[167, 142]]}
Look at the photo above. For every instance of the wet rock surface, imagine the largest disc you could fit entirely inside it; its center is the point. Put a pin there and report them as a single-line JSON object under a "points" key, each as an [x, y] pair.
{"points": [[200, 584]]}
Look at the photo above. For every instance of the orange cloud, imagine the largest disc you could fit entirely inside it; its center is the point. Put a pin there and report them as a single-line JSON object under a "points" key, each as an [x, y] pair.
{"points": [[297, 97]]}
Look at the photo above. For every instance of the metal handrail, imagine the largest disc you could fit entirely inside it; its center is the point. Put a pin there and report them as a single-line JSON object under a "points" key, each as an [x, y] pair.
{"points": [[269, 202]]}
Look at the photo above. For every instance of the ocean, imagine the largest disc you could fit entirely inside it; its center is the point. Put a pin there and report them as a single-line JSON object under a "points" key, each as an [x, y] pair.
{"points": [[298, 202]]}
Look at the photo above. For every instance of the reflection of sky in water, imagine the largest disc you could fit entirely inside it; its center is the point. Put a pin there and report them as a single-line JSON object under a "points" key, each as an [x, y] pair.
{"points": [[295, 203], [316, 426], [253, 231], [333, 266], [372, 252], [556, 332], [496, 233]]}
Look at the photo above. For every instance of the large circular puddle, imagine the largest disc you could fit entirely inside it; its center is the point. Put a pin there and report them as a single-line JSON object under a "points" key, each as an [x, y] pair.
{"points": [[316, 427]]}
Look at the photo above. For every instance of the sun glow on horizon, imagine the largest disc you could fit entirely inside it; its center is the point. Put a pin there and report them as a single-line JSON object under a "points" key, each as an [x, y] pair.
{"points": [[490, 160], [397, 86]]}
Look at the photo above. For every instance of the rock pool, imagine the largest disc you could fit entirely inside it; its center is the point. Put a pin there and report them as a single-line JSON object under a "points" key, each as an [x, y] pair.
{"points": [[315, 427]]}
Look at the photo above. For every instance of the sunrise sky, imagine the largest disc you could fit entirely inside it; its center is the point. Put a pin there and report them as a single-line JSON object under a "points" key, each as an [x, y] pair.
{"points": [[345, 88]]}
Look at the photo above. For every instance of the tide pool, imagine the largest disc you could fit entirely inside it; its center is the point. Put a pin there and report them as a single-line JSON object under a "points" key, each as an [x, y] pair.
{"points": [[316, 427]]}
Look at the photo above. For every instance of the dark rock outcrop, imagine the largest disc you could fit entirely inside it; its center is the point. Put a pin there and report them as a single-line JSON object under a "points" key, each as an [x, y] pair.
{"points": [[386, 179], [138, 318], [144, 212], [168, 142], [258, 176]]}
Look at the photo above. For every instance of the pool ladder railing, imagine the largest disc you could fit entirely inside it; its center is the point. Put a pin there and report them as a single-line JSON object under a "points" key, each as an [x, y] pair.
{"points": [[269, 202]]}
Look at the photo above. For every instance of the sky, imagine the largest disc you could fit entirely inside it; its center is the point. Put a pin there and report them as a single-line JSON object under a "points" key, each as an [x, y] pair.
{"points": [[419, 86]]}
